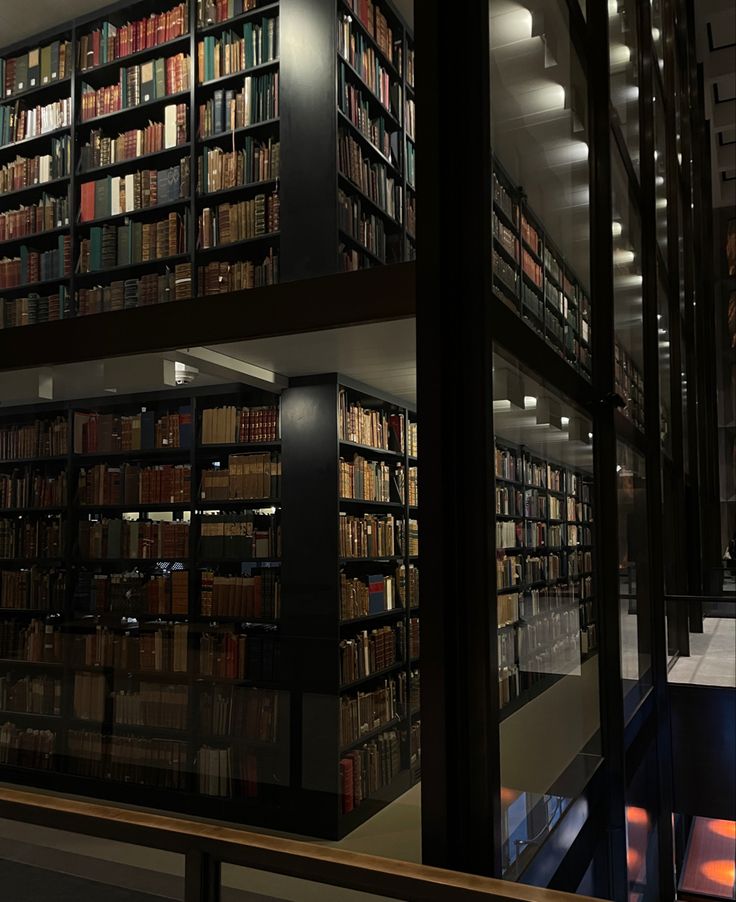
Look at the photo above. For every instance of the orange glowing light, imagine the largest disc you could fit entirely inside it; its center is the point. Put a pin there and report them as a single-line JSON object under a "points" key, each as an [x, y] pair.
{"points": [[637, 816], [723, 828], [719, 871], [508, 796], [633, 860]]}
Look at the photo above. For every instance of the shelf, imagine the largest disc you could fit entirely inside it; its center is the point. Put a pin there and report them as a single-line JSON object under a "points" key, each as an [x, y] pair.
{"points": [[29, 612], [532, 284], [215, 449], [38, 89], [371, 560], [361, 247], [139, 55], [508, 481], [506, 254], [509, 589], [27, 562], [241, 74], [148, 453], [39, 186], [208, 563], [378, 675], [503, 215], [158, 101], [236, 189], [39, 665], [382, 452], [236, 20], [234, 132], [30, 718], [378, 104], [243, 242], [134, 162], [130, 561], [13, 511], [386, 62], [14, 145], [235, 504], [153, 507], [181, 202], [368, 618], [35, 236], [32, 286], [394, 505], [532, 253], [366, 141], [104, 274]]}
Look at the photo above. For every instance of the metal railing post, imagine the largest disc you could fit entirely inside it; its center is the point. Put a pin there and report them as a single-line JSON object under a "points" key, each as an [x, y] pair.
{"points": [[202, 877]]}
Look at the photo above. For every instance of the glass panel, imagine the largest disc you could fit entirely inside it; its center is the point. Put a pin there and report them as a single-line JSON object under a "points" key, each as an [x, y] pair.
{"points": [[633, 576], [627, 283], [541, 225], [547, 623], [665, 354], [657, 31], [624, 72], [642, 847]]}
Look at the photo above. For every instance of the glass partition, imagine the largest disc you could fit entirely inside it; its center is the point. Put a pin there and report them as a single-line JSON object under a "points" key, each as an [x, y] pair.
{"points": [[546, 608], [623, 51]]}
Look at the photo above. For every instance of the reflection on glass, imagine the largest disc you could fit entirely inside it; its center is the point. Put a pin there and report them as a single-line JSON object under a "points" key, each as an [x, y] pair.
{"points": [[642, 848], [633, 576], [627, 285], [657, 31], [540, 143], [547, 623], [665, 382], [624, 72], [660, 171]]}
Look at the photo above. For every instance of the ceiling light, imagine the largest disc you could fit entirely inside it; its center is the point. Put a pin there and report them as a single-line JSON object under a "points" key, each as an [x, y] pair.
{"points": [[529, 402], [621, 258], [565, 421], [616, 228]]}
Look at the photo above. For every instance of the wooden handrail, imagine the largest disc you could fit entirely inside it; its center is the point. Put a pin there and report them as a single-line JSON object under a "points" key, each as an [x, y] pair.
{"points": [[206, 844]]}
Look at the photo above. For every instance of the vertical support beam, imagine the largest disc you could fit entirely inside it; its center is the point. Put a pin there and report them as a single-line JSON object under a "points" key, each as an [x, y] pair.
{"points": [[604, 444], [657, 633], [201, 877], [308, 109], [461, 765]]}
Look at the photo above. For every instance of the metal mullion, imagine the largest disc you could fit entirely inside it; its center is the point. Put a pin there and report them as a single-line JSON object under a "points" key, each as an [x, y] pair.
{"points": [[658, 637], [604, 447]]}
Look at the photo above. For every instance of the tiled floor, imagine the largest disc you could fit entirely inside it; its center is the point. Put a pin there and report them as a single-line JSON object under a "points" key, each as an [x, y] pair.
{"points": [[712, 660]]}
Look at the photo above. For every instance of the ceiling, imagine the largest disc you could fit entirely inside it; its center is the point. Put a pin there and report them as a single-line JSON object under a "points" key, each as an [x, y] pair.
{"points": [[715, 38], [21, 20]]}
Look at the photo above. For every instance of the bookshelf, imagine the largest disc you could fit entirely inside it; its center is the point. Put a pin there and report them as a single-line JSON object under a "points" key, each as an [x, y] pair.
{"points": [[173, 588], [157, 161], [532, 278], [547, 622]]}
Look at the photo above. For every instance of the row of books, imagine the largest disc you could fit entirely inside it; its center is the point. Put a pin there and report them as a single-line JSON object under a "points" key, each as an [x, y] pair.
{"points": [[228, 223], [239, 425], [223, 277], [34, 641], [233, 656], [372, 178], [227, 110], [241, 712], [108, 432], [370, 652], [152, 651], [239, 537], [246, 476], [25, 538], [368, 426], [37, 266], [257, 161], [367, 711], [17, 122], [256, 597], [134, 242], [90, 692], [30, 695], [152, 704], [372, 18], [152, 80], [374, 594], [33, 590], [133, 593], [26, 748], [27, 488], [367, 536], [25, 172], [153, 288], [134, 484], [115, 195], [211, 12], [227, 772], [366, 770], [362, 226], [112, 42], [157, 763], [102, 150], [355, 103], [232, 52], [133, 539], [36, 68], [368, 480], [359, 52], [41, 438], [49, 213]]}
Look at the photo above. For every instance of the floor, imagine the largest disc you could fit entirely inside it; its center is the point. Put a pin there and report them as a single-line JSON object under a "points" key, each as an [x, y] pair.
{"points": [[712, 660], [709, 863]]}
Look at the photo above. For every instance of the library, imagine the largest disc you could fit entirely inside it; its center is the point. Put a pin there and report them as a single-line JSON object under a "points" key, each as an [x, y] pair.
{"points": [[226, 334]]}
